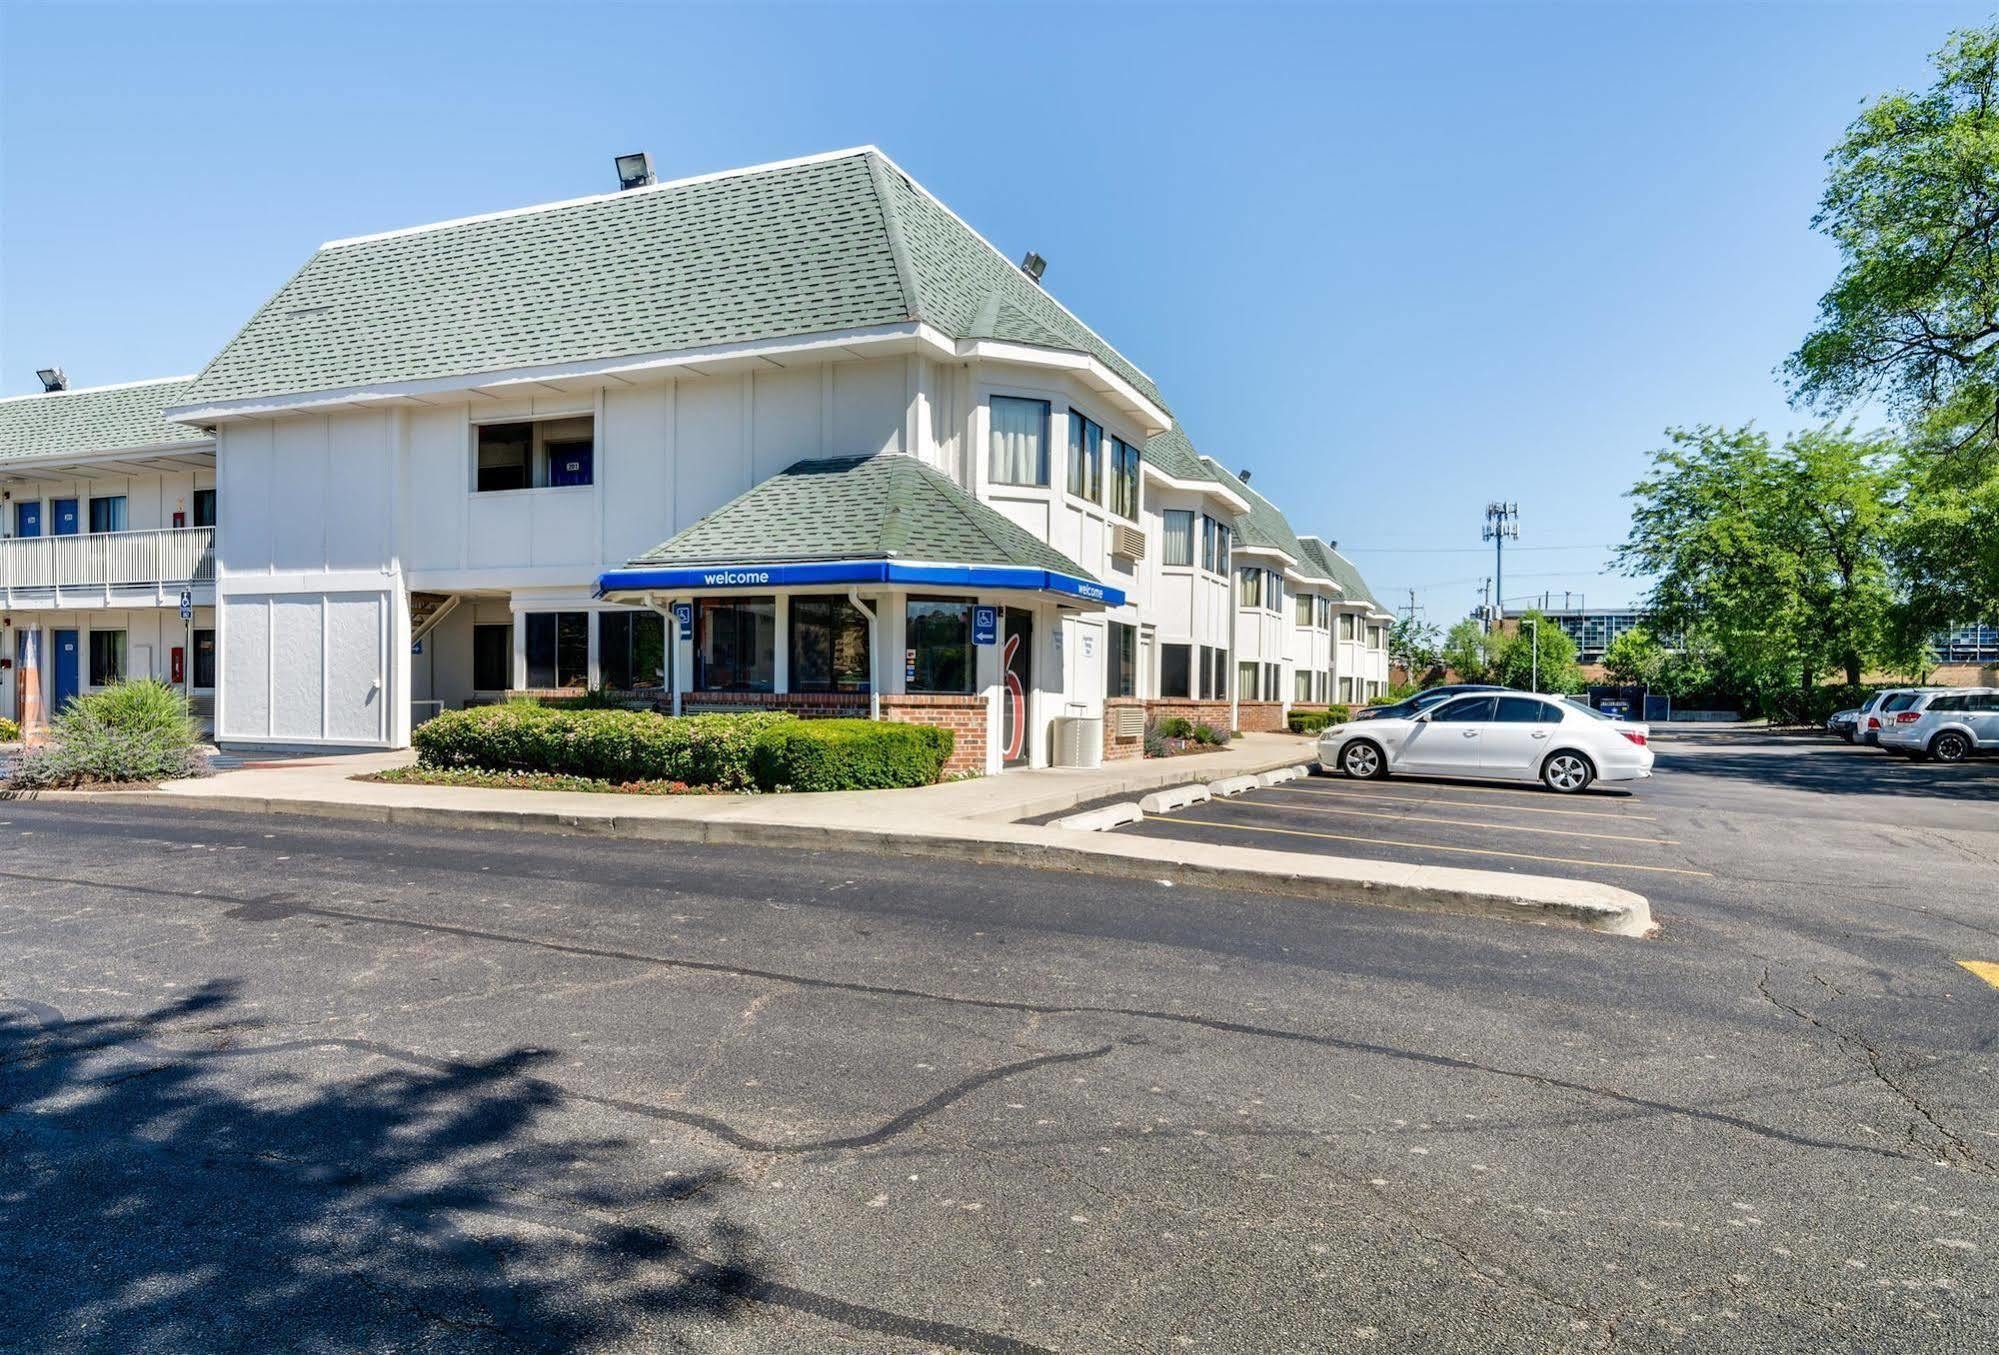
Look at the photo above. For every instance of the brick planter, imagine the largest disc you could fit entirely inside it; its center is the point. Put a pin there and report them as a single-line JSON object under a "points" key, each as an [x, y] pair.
{"points": [[1116, 748], [1214, 714], [964, 716], [1260, 717]]}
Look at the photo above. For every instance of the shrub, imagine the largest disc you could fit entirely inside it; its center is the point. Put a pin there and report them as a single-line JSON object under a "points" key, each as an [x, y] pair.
{"points": [[1209, 735], [1175, 727], [1312, 721], [131, 731], [9, 731], [849, 755], [605, 745]]}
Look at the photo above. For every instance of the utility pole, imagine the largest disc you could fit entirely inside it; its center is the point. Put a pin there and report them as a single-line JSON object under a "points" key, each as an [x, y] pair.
{"points": [[1502, 520]]}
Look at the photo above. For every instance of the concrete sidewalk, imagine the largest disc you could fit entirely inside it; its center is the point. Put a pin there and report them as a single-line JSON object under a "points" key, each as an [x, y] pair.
{"points": [[970, 822]]}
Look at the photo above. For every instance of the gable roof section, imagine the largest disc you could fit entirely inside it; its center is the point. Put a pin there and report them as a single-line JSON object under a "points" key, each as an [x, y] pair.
{"points": [[888, 507], [830, 243], [1173, 453], [1343, 573], [95, 419], [1265, 524]]}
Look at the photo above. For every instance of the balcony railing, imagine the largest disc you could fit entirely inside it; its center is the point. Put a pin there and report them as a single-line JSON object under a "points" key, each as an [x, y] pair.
{"points": [[104, 561]]}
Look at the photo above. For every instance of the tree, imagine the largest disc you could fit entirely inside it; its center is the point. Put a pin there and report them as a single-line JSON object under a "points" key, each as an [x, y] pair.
{"points": [[1912, 202], [1413, 645], [1536, 655], [1635, 659], [1777, 558], [1466, 651]]}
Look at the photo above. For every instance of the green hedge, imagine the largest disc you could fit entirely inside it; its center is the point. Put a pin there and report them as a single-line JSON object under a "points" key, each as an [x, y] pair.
{"points": [[849, 755], [1312, 721], [606, 745], [127, 732], [722, 752], [9, 731]]}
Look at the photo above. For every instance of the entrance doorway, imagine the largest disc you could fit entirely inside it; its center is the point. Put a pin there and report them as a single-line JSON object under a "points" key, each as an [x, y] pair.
{"points": [[67, 675], [1017, 680]]}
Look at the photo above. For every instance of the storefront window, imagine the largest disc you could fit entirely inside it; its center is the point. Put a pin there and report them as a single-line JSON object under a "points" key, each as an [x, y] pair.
{"points": [[735, 645], [1121, 664], [940, 646], [558, 649], [631, 650], [829, 646]]}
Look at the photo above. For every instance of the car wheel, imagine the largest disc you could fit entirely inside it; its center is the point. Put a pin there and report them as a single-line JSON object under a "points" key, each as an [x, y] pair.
{"points": [[1949, 747], [1363, 761], [1567, 772]]}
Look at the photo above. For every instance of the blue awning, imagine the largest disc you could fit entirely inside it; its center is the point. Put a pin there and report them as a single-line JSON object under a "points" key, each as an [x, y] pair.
{"points": [[715, 578]]}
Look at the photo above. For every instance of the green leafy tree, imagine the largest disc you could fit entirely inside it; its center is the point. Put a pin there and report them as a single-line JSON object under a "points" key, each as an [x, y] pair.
{"points": [[1778, 558], [1413, 644], [1536, 654], [1635, 658], [1467, 651]]}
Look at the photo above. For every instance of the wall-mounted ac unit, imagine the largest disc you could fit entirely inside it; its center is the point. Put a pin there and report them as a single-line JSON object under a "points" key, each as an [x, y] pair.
{"points": [[1127, 541]]}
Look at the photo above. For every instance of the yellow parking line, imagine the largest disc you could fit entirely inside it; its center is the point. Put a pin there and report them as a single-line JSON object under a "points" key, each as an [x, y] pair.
{"points": [[1433, 847], [1405, 817], [1432, 800], [1985, 969]]}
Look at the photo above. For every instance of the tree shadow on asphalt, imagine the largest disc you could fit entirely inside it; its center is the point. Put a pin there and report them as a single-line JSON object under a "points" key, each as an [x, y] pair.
{"points": [[149, 1201], [1835, 769]]}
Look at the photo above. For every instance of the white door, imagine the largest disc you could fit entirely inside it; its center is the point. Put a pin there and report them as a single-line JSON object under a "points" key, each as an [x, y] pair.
{"points": [[1516, 741], [1447, 741]]}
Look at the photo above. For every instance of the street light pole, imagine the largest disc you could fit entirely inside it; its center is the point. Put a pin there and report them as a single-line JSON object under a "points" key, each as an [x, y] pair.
{"points": [[1535, 681]]}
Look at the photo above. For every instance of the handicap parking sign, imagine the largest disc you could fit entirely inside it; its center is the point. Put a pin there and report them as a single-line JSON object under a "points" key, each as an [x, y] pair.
{"points": [[683, 616], [985, 625]]}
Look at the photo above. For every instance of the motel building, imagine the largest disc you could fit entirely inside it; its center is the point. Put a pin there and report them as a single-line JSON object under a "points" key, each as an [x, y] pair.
{"points": [[790, 437]]}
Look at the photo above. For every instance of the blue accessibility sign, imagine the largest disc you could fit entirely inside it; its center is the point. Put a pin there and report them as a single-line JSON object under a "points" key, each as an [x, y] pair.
{"points": [[985, 625]]}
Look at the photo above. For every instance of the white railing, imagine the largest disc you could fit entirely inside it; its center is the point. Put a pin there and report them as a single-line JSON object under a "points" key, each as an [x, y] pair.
{"points": [[177, 555]]}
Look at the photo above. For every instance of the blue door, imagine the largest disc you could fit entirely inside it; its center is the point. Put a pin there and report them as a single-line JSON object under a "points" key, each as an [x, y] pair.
{"points": [[66, 686], [64, 513], [27, 519]]}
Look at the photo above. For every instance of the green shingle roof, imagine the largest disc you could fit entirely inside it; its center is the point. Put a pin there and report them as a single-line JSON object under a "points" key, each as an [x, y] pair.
{"points": [[1265, 524], [106, 419], [1341, 570], [835, 243], [1173, 453], [888, 507]]}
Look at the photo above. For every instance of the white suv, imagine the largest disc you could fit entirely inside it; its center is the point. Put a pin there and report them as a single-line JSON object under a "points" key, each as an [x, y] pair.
{"points": [[1878, 716], [1948, 725]]}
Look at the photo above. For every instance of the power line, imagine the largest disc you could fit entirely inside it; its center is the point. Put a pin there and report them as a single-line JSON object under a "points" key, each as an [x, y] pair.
{"points": [[1457, 550]]}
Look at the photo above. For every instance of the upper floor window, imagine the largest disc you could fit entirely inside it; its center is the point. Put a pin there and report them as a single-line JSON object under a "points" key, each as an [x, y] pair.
{"points": [[1305, 604], [1346, 625], [1179, 533], [1325, 613], [1249, 588], [1124, 479], [536, 454], [204, 508], [107, 513], [1086, 459], [1214, 545], [1019, 441]]}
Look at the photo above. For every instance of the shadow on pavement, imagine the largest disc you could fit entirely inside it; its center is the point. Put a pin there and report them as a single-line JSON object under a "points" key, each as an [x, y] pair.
{"points": [[1832, 768], [145, 1205]]}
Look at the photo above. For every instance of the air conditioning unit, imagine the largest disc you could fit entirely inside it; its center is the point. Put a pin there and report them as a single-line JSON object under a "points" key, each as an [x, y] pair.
{"points": [[1127, 541], [1129, 722]]}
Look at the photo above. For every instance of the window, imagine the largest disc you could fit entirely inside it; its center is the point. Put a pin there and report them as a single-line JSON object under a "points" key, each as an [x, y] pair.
{"points": [[1214, 546], [204, 658], [1214, 673], [541, 453], [631, 650], [829, 646], [1249, 588], [1273, 677], [1525, 710], [1374, 637], [1469, 710], [107, 657], [1121, 663], [108, 513], [735, 644], [1124, 479], [492, 658], [1301, 686], [1176, 670], [939, 635], [1947, 703], [1346, 689], [558, 649], [1325, 685], [1019, 442], [204, 508], [1325, 613], [1086, 459], [1273, 591], [1305, 602], [1245, 679], [1346, 625], [1179, 537]]}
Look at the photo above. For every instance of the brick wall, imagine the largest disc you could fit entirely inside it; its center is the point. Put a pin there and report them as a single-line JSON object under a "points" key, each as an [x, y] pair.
{"points": [[805, 705], [1214, 714], [964, 716], [1263, 717], [1115, 747]]}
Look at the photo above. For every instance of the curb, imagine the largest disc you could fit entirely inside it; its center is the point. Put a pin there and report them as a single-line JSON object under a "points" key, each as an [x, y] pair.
{"points": [[1432, 889], [1098, 820], [1177, 797], [1234, 785]]}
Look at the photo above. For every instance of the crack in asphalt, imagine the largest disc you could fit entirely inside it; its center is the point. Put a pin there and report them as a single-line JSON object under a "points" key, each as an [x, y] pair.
{"points": [[1849, 1043]]}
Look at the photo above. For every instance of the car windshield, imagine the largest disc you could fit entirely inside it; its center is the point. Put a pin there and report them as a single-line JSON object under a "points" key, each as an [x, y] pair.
{"points": [[1900, 701]]}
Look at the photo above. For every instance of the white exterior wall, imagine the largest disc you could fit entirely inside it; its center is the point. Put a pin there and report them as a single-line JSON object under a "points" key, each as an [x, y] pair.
{"points": [[1180, 604], [1308, 649]]}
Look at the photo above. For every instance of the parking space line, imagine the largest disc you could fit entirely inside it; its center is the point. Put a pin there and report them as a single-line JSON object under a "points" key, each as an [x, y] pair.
{"points": [[1405, 817], [1434, 847], [1357, 794], [1985, 969]]}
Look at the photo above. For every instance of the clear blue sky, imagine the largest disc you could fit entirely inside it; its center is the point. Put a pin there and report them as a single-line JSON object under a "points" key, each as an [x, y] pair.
{"points": [[1397, 259]]}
